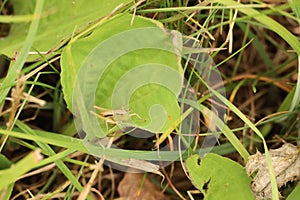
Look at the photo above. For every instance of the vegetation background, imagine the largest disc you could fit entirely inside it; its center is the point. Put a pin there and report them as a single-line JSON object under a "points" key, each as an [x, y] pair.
{"points": [[254, 44]]}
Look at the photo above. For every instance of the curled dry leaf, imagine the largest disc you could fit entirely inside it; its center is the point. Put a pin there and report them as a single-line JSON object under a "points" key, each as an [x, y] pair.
{"points": [[130, 185], [286, 163], [136, 165]]}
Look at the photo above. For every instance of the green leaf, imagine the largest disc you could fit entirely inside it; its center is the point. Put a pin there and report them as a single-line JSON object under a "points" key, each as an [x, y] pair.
{"points": [[295, 193], [75, 144], [295, 5], [59, 20], [285, 105], [124, 66], [49, 151], [4, 162], [219, 178], [10, 175], [6, 192], [267, 21], [16, 66]]}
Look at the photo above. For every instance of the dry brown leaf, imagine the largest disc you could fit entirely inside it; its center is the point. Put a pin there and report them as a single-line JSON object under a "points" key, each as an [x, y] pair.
{"points": [[286, 163], [129, 188], [142, 165]]}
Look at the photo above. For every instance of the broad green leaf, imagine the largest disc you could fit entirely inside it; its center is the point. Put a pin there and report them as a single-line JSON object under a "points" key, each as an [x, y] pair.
{"points": [[59, 20], [219, 178], [124, 67]]}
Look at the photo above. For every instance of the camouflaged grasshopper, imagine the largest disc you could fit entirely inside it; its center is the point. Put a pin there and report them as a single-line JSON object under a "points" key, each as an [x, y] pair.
{"points": [[114, 117]]}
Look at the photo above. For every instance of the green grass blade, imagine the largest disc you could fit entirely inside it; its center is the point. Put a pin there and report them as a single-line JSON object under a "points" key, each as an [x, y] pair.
{"points": [[296, 98], [227, 132], [295, 44], [253, 127], [6, 193], [22, 55], [45, 147], [268, 22], [295, 5], [222, 126], [15, 19], [55, 157], [75, 144], [10, 175]]}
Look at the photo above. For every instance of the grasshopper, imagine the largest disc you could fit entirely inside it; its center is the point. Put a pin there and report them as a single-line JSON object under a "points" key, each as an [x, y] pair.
{"points": [[114, 117]]}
